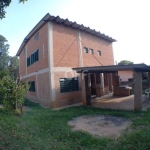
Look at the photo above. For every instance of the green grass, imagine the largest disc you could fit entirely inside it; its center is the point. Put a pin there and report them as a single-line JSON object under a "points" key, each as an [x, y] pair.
{"points": [[46, 129]]}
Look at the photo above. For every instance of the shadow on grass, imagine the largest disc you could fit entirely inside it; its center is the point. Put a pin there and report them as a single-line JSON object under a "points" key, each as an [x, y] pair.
{"points": [[30, 104]]}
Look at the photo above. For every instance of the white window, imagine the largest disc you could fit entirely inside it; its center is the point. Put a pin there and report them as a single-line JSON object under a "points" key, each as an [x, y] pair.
{"points": [[85, 50], [99, 53], [91, 51]]}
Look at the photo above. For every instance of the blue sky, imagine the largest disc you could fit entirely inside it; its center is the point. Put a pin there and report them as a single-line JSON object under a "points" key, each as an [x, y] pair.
{"points": [[125, 20]]}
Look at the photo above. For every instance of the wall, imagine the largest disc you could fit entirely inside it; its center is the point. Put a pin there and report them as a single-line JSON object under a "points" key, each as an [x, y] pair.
{"points": [[66, 49], [125, 75], [96, 43], [65, 46], [68, 97], [31, 46]]}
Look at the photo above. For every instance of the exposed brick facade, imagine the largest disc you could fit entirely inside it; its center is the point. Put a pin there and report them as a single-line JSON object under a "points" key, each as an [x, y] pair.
{"points": [[67, 50]]}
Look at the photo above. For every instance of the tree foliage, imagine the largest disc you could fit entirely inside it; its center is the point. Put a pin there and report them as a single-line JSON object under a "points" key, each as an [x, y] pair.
{"points": [[125, 62], [4, 4], [13, 67], [4, 57], [13, 93]]}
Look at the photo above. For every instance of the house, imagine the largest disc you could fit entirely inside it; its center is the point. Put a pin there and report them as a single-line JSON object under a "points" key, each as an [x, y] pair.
{"points": [[125, 75], [50, 51]]}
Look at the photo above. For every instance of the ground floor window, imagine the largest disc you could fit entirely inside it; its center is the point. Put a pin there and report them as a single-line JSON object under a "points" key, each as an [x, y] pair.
{"points": [[32, 86], [68, 84]]}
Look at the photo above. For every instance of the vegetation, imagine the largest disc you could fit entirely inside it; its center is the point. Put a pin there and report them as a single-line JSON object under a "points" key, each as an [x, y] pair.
{"points": [[13, 93], [8, 63], [4, 4], [125, 62], [46, 129]]}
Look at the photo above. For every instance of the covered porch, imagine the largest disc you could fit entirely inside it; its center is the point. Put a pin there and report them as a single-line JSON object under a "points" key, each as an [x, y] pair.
{"points": [[118, 102], [100, 81]]}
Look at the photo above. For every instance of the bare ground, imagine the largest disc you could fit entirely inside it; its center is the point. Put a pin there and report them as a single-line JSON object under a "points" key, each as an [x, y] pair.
{"points": [[101, 125]]}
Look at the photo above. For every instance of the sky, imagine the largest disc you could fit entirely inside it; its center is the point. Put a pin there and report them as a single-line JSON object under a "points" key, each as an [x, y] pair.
{"points": [[127, 21]]}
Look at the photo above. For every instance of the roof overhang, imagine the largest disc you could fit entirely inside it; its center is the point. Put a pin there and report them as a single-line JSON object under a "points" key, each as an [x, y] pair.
{"points": [[66, 22], [113, 68]]}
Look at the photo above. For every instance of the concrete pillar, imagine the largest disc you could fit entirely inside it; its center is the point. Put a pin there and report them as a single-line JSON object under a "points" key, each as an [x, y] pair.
{"points": [[102, 82], [102, 79], [137, 90], [83, 89], [110, 82], [88, 89]]}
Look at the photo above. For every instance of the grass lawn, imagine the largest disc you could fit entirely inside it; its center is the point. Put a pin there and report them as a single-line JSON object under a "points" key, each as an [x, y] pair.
{"points": [[46, 129]]}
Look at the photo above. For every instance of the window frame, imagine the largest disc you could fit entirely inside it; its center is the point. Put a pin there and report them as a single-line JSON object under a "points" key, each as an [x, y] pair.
{"points": [[28, 61], [99, 53], [35, 57], [86, 50], [32, 87], [91, 51], [69, 84]]}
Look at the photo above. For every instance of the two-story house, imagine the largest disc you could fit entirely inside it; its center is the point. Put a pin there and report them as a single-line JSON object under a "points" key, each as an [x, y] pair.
{"points": [[50, 51]]}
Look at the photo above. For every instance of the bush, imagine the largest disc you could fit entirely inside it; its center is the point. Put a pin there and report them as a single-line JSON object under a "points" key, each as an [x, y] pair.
{"points": [[13, 93]]}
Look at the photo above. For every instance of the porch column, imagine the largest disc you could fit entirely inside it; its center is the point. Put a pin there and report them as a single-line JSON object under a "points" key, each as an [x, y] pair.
{"points": [[83, 88], [110, 82], [88, 89], [102, 82], [137, 90]]}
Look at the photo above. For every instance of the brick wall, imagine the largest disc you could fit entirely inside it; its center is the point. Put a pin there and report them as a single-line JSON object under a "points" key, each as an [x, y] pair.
{"points": [[68, 97], [65, 46], [66, 53], [96, 43], [44, 88], [22, 61], [32, 95], [32, 46]]}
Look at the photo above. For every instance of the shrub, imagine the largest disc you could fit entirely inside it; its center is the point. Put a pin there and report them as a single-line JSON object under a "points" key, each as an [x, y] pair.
{"points": [[13, 93]]}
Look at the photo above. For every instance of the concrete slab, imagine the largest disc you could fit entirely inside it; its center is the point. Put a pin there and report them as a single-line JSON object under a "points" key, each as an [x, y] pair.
{"points": [[116, 102]]}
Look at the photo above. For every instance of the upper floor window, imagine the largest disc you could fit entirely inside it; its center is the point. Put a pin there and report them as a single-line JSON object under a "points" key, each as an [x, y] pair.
{"points": [[36, 37], [99, 53], [91, 51], [85, 49], [33, 58], [28, 61]]}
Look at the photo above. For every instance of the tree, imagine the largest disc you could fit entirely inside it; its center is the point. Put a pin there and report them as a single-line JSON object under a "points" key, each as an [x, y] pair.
{"points": [[14, 67], [12, 93], [4, 57], [4, 4], [125, 62]]}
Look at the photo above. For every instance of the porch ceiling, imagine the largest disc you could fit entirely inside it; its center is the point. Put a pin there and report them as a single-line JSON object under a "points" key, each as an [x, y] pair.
{"points": [[113, 68]]}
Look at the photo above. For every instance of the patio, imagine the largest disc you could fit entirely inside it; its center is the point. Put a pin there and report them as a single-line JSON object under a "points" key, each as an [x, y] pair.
{"points": [[118, 102], [105, 79]]}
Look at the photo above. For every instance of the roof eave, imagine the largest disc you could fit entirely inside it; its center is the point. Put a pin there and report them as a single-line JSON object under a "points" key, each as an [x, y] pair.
{"points": [[66, 22]]}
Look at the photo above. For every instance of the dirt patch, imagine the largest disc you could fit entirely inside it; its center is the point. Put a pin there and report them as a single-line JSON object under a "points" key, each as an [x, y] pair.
{"points": [[101, 125]]}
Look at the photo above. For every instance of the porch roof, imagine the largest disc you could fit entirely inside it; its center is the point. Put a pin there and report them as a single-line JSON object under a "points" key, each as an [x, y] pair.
{"points": [[113, 68]]}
